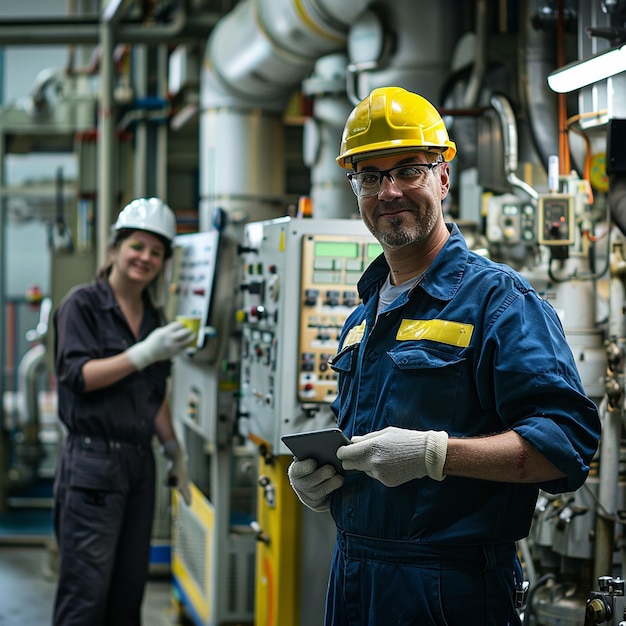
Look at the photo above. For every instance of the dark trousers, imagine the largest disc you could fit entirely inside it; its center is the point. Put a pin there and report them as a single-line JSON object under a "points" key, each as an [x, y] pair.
{"points": [[377, 582], [104, 507]]}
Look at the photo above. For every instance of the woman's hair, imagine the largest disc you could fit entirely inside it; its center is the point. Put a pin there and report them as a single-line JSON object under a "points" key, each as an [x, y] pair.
{"points": [[117, 236]]}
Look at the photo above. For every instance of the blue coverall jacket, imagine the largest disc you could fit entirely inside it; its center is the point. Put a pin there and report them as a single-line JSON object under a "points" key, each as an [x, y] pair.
{"points": [[472, 350]]}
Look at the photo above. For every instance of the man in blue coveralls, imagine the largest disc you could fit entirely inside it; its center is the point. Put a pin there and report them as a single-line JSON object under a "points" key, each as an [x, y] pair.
{"points": [[457, 388]]}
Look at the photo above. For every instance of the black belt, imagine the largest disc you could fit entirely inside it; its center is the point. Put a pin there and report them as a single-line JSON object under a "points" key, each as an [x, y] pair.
{"points": [[102, 444]]}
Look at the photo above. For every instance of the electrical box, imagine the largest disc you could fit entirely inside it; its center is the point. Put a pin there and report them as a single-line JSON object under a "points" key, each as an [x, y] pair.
{"points": [[299, 286], [510, 220], [555, 219]]}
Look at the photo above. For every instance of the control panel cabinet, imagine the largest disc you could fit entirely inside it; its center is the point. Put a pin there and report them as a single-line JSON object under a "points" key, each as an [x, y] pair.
{"points": [[299, 284]]}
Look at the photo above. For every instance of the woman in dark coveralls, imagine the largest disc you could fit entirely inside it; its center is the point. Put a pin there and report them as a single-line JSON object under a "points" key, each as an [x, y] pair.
{"points": [[112, 358]]}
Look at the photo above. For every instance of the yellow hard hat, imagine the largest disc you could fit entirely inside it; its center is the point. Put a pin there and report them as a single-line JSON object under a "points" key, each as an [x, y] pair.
{"points": [[392, 118]]}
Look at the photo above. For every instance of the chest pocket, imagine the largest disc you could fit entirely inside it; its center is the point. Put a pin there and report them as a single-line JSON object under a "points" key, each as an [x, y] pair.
{"points": [[425, 385], [345, 363]]}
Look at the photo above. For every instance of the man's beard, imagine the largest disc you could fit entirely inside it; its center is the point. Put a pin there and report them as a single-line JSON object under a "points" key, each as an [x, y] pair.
{"points": [[398, 235]]}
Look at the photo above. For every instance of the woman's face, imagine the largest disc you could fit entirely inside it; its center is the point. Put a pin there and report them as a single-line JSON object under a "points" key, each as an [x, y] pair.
{"points": [[139, 258]]}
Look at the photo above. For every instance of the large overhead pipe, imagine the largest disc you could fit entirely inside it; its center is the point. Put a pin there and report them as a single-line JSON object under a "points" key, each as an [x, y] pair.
{"points": [[256, 57], [262, 50], [537, 59], [413, 42]]}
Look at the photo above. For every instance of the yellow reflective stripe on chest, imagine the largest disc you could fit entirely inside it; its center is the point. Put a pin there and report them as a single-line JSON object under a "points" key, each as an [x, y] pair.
{"points": [[355, 334], [443, 331]]}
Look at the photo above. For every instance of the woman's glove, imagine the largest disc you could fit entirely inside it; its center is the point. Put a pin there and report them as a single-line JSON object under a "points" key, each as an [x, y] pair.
{"points": [[396, 455], [177, 469], [161, 344], [314, 485]]}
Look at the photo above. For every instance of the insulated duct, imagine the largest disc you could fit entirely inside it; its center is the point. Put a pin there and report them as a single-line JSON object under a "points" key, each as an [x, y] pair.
{"points": [[261, 51], [538, 59], [419, 37], [255, 59]]}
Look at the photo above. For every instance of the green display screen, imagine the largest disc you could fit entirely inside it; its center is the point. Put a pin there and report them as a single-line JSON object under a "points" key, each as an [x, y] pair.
{"points": [[373, 250], [347, 250]]}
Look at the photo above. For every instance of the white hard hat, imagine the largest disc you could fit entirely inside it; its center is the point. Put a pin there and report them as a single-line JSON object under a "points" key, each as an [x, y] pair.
{"points": [[149, 214]]}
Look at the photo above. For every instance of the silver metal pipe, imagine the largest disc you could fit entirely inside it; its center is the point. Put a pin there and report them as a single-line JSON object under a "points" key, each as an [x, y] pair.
{"points": [[106, 143], [141, 131], [86, 30], [162, 131], [537, 54], [612, 417], [509, 137]]}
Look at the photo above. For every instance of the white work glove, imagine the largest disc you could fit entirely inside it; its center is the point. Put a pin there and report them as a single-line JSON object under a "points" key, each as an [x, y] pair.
{"points": [[314, 485], [396, 455], [177, 469], [161, 344]]}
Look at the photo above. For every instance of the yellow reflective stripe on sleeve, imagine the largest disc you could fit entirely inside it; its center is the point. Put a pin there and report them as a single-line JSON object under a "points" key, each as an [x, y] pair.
{"points": [[451, 333], [355, 334]]}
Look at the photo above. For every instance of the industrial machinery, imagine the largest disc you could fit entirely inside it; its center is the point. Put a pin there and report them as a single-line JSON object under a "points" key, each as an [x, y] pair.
{"points": [[607, 605], [299, 285], [213, 543]]}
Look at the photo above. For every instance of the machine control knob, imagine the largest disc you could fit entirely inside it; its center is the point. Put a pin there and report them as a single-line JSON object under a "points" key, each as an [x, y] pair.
{"points": [[260, 535], [258, 312], [269, 492], [509, 233], [598, 611]]}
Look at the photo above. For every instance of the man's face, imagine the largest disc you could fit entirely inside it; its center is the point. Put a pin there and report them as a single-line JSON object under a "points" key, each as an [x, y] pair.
{"points": [[397, 217]]}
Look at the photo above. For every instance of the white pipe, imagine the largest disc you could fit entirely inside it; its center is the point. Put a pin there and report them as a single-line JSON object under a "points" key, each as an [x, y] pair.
{"points": [[262, 49], [509, 137], [331, 195]]}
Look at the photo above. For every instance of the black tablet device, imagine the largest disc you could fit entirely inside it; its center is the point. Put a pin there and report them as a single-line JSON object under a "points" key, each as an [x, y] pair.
{"points": [[320, 445]]}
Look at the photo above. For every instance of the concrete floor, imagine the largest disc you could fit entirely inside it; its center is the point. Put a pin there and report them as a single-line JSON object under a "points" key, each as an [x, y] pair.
{"points": [[27, 566], [27, 586]]}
